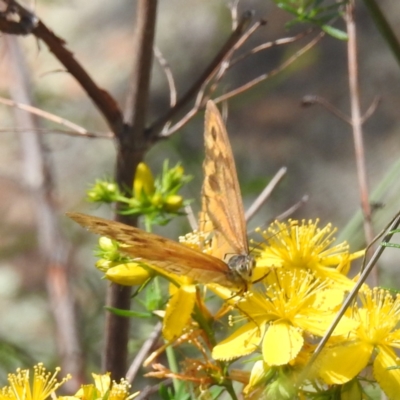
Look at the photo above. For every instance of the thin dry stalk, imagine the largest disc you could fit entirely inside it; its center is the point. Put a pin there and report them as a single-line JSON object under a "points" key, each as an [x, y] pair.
{"points": [[357, 120], [264, 195], [267, 75], [143, 352], [54, 250], [208, 73], [168, 74], [77, 129]]}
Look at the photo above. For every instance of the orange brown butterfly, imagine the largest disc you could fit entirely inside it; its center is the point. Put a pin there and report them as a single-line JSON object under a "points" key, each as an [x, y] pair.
{"points": [[222, 215]]}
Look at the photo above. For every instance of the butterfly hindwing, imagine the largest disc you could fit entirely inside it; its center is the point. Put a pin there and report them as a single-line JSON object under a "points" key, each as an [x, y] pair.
{"points": [[162, 253]]}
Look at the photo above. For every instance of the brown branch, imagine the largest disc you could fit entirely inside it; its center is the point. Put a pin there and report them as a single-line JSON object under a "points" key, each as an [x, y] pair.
{"points": [[356, 119], [101, 98], [309, 100], [143, 352], [371, 109], [227, 64], [210, 71], [78, 130], [131, 150], [267, 75], [269, 45], [54, 249], [137, 99], [94, 135], [264, 195], [168, 74]]}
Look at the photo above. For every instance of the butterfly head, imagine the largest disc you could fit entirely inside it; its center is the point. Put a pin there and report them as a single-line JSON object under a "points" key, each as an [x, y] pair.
{"points": [[241, 267]]}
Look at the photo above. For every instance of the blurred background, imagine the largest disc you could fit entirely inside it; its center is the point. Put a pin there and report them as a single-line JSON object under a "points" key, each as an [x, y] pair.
{"points": [[267, 125]]}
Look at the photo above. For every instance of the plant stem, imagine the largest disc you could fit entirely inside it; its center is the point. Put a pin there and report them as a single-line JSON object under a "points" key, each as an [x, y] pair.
{"points": [[356, 123]]}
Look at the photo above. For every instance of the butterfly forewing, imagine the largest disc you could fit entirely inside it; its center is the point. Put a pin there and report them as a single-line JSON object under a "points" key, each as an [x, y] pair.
{"points": [[161, 253], [221, 197]]}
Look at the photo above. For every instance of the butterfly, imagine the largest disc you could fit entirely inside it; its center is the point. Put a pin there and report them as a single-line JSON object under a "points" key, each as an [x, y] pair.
{"points": [[222, 214]]}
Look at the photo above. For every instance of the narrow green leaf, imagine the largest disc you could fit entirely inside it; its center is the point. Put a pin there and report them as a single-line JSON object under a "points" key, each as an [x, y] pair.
{"points": [[128, 313], [334, 32]]}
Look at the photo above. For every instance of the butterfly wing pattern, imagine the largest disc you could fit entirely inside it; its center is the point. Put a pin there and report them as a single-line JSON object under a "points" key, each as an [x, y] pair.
{"points": [[160, 253], [222, 215], [222, 205]]}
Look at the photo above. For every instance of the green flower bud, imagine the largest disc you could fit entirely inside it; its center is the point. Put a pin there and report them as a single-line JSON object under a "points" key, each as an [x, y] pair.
{"points": [[173, 203]]}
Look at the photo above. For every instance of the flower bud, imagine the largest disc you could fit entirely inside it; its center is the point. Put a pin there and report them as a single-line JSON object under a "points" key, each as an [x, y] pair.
{"points": [[173, 203], [129, 274], [144, 181]]}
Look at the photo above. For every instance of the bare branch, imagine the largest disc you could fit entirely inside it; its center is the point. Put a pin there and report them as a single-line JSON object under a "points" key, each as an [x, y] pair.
{"points": [[94, 135], [168, 73], [226, 65], [233, 7], [143, 352], [371, 109], [265, 46], [37, 175], [137, 99], [356, 123], [77, 129], [210, 71], [101, 98], [313, 99], [262, 198], [263, 77]]}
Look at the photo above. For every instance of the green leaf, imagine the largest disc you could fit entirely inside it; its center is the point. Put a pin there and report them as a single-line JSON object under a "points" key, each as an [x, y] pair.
{"points": [[334, 32], [128, 313]]}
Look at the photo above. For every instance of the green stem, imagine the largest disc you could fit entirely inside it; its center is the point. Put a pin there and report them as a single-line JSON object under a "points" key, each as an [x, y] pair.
{"points": [[384, 27], [173, 366], [229, 389]]}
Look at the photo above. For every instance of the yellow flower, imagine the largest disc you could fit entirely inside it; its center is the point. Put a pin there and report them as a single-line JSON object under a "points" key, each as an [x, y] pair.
{"points": [[44, 383], [377, 321], [104, 389], [294, 302], [304, 246]]}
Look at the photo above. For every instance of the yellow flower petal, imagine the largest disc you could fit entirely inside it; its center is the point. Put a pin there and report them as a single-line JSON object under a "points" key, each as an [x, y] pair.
{"points": [[244, 341], [387, 376], [339, 364], [281, 344], [102, 382], [128, 274], [178, 311]]}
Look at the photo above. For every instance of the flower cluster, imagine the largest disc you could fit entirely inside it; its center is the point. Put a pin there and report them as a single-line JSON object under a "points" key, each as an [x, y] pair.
{"points": [[157, 199], [299, 283], [44, 385], [264, 336]]}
